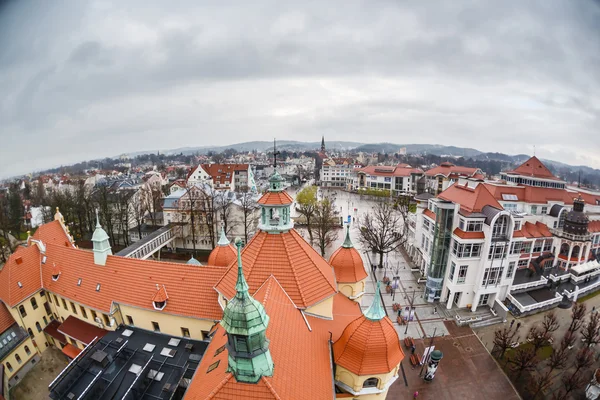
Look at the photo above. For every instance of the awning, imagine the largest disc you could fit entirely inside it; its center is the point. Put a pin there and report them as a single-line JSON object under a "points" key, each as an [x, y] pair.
{"points": [[80, 330], [71, 351], [52, 330], [586, 267]]}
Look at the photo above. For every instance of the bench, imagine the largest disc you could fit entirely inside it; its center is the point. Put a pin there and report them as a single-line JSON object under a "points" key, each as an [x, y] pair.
{"points": [[409, 342], [415, 360]]}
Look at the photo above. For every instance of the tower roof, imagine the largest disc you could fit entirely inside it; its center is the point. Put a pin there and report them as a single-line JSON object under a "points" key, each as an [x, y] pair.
{"points": [[347, 263], [223, 241], [100, 234], [369, 345], [193, 261], [222, 255], [534, 168]]}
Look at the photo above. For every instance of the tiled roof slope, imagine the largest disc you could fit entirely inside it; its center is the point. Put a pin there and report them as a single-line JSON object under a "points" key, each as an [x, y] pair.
{"points": [[222, 256], [275, 198], [189, 287], [81, 330], [6, 318], [348, 265], [468, 235], [534, 168], [401, 170], [594, 226], [368, 347], [540, 195], [52, 232], [470, 199], [446, 169], [533, 230], [305, 276], [301, 357], [20, 276]]}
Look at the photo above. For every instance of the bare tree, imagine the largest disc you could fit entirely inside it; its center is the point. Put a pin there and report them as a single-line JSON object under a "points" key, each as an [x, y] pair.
{"points": [[591, 331], [325, 224], [524, 360], [224, 202], [249, 207], [542, 382], [503, 340], [383, 229], [568, 340], [571, 383], [550, 323], [208, 208], [577, 315], [538, 337], [583, 360]]}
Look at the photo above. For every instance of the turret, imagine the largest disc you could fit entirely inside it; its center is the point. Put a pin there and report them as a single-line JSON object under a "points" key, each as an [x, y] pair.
{"points": [[223, 254], [101, 243], [275, 207], [349, 269]]}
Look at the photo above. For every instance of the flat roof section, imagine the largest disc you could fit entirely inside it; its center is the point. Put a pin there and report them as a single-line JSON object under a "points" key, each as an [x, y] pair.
{"points": [[127, 364]]}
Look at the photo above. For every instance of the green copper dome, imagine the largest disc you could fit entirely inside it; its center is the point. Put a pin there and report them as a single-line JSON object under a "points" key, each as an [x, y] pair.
{"points": [[376, 312], [100, 234], [275, 182], [223, 241], [347, 242]]}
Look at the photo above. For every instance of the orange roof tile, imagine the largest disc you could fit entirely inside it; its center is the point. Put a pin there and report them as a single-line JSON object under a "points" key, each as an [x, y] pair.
{"points": [[52, 232], [447, 168], [429, 213], [71, 351], [189, 287], [306, 277], [594, 226], [160, 295], [531, 230], [398, 170], [275, 198], [301, 357], [468, 235], [222, 256], [19, 280], [80, 330], [470, 199], [368, 347], [534, 168], [6, 318], [348, 265]]}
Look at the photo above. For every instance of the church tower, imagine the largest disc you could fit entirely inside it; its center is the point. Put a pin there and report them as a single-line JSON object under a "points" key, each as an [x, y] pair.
{"points": [[323, 144], [101, 243], [245, 322]]}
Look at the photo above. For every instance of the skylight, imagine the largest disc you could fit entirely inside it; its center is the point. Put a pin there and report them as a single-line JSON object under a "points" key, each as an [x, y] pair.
{"points": [[509, 197], [97, 287], [20, 284], [79, 282]]}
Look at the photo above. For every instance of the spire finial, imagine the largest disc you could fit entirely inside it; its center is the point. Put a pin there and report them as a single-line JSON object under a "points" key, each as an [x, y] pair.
{"points": [[223, 241], [275, 153], [376, 311], [347, 242], [241, 287], [98, 220]]}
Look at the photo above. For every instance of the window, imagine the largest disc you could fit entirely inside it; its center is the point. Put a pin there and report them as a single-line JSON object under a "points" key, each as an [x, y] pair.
{"points": [[452, 268], [45, 320], [65, 304], [155, 326], [10, 368], [73, 308], [30, 332], [371, 382], [83, 312], [55, 300], [38, 326], [129, 320], [492, 276], [466, 250], [475, 226], [534, 210], [185, 332], [27, 350], [515, 247], [22, 311], [497, 251], [523, 263], [517, 225], [50, 298], [510, 270], [94, 316], [213, 366], [544, 210], [18, 358], [462, 273], [34, 303], [538, 245], [241, 343], [461, 224], [106, 320]]}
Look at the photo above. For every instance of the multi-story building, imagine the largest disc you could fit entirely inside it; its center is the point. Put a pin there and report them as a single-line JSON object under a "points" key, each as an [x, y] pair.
{"points": [[399, 179], [263, 324], [478, 242], [234, 177], [335, 172], [439, 178]]}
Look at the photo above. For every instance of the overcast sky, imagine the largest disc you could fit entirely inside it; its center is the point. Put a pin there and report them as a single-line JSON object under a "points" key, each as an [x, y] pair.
{"points": [[87, 79]]}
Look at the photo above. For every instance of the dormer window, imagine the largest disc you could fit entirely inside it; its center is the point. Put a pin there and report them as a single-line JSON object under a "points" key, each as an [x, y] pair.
{"points": [[55, 277], [159, 305], [159, 301]]}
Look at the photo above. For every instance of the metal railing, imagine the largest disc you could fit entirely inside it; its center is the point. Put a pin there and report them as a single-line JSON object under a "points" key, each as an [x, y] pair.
{"points": [[526, 285], [572, 236], [557, 298]]}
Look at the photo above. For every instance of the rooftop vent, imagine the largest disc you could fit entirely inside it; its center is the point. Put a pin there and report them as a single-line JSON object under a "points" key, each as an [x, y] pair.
{"points": [[19, 260], [149, 347], [79, 282], [19, 284], [136, 369], [157, 376], [166, 352], [127, 332], [174, 342]]}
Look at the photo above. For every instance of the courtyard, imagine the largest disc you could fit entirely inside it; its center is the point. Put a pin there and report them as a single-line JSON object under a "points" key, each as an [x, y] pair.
{"points": [[35, 384]]}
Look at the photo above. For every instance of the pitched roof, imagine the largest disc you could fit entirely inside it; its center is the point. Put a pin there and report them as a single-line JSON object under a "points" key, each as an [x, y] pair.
{"points": [[541, 195], [6, 318], [470, 199], [305, 276], [276, 198], [534, 168], [348, 265], [446, 169], [20, 276], [468, 235], [80, 330], [594, 226], [222, 173], [531, 230], [368, 347], [222, 256], [160, 295], [429, 213], [398, 170], [301, 358], [52, 232]]}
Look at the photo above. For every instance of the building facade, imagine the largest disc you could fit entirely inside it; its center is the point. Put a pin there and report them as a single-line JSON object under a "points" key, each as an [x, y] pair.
{"points": [[399, 179]]}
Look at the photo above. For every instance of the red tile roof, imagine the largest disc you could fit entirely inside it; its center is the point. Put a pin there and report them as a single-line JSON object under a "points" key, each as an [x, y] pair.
{"points": [[222, 256], [468, 235], [348, 265], [275, 198], [160, 295], [534, 168], [447, 168], [531, 230], [470, 199], [594, 226], [52, 232], [6, 318], [306, 277], [218, 172], [301, 357], [71, 351], [398, 170], [80, 330], [429, 213], [19, 281], [368, 347]]}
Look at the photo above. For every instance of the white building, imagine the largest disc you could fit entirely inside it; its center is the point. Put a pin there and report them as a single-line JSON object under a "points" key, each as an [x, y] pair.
{"points": [[401, 178], [337, 172], [234, 177]]}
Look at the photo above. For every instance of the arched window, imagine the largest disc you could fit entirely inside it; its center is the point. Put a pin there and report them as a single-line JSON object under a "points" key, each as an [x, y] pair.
{"points": [[27, 350], [10, 368], [159, 305], [38, 326], [18, 358], [371, 382], [22, 311], [34, 303], [564, 249], [575, 252], [30, 332]]}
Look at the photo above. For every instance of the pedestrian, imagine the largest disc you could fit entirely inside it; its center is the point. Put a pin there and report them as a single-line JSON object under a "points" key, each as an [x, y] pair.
{"points": [[512, 323], [412, 349], [593, 309], [518, 325], [415, 395]]}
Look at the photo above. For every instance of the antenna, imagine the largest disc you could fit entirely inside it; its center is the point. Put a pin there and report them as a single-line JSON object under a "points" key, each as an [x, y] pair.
{"points": [[534, 150], [275, 153]]}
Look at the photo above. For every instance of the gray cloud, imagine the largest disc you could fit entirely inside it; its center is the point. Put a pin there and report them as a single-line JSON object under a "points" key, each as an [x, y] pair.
{"points": [[84, 80]]}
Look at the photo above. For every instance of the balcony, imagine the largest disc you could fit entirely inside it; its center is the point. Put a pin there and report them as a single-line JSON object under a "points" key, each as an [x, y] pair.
{"points": [[527, 302], [571, 236]]}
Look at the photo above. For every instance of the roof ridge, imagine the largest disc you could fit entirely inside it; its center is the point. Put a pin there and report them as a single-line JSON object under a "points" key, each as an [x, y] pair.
{"points": [[217, 388], [271, 388], [288, 255], [364, 353], [383, 333]]}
